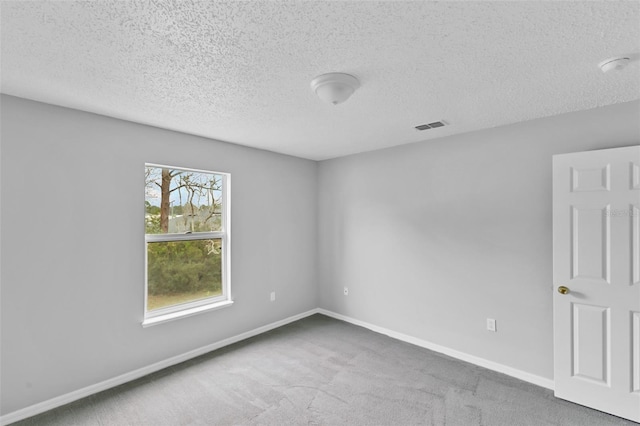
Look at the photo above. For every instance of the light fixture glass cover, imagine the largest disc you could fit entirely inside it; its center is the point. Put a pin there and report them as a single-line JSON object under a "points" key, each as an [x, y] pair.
{"points": [[616, 63], [334, 87]]}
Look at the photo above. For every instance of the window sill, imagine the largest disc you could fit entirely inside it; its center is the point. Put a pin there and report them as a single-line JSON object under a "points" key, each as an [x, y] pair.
{"points": [[148, 322]]}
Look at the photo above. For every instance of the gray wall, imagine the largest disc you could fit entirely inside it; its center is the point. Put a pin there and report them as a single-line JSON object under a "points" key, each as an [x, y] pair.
{"points": [[435, 237], [73, 249]]}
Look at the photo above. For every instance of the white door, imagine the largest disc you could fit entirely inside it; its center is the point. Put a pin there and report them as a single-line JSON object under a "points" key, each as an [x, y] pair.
{"points": [[596, 263]]}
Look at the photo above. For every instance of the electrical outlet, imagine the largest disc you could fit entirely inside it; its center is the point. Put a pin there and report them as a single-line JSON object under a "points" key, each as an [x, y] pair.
{"points": [[491, 324], [273, 296], [346, 291]]}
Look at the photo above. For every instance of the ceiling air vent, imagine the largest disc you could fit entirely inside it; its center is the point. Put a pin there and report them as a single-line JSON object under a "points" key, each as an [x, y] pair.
{"points": [[431, 125]]}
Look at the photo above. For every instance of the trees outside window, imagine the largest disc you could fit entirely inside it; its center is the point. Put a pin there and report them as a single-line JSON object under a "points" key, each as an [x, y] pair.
{"points": [[187, 238]]}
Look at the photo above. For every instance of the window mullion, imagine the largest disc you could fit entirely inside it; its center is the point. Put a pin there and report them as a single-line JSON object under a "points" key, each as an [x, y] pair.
{"points": [[154, 238]]}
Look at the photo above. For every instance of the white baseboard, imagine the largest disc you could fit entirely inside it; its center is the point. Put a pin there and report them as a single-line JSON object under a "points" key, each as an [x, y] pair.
{"points": [[500, 368], [136, 374]]}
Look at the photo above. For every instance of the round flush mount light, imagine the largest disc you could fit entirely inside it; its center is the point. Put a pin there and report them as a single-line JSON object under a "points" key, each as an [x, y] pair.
{"points": [[616, 63], [334, 87]]}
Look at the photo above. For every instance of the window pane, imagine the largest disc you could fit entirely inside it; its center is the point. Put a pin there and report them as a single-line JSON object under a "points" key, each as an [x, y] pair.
{"points": [[179, 201], [183, 271]]}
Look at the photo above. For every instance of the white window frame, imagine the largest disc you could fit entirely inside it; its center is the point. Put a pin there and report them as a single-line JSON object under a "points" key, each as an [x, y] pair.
{"points": [[182, 310]]}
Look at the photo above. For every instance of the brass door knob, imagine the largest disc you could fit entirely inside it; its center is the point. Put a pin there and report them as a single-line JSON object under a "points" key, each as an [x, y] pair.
{"points": [[563, 290]]}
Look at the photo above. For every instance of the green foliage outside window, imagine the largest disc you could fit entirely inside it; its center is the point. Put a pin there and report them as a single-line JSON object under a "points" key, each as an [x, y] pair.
{"points": [[184, 267]]}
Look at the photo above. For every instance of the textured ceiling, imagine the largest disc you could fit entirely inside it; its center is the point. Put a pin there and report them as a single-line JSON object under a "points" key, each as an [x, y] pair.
{"points": [[240, 71]]}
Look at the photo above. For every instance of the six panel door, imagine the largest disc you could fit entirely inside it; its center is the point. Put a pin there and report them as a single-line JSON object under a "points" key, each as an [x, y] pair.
{"points": [[596, 272]]}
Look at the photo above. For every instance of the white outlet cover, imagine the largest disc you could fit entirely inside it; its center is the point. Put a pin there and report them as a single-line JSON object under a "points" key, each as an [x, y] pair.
{"points": [[273, 296], [491, 324]]}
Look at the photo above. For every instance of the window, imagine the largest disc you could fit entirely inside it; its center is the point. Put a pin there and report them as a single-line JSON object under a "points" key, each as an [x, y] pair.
{"points": [[187, 242]]}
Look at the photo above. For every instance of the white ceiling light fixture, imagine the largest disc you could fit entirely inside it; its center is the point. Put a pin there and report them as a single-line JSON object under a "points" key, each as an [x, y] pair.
{"points": [[334, 87], [616, 63]]}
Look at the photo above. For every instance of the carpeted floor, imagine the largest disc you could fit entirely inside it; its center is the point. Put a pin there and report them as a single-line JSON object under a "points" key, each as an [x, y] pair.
{"points": [[320, 371]]}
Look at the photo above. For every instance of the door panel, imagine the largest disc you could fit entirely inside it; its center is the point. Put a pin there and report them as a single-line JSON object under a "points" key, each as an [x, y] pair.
{"points": [[596, 179], [596, 250], [635, 244], [590, 243], [636, 351], [635, 175], [591, 343]]}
